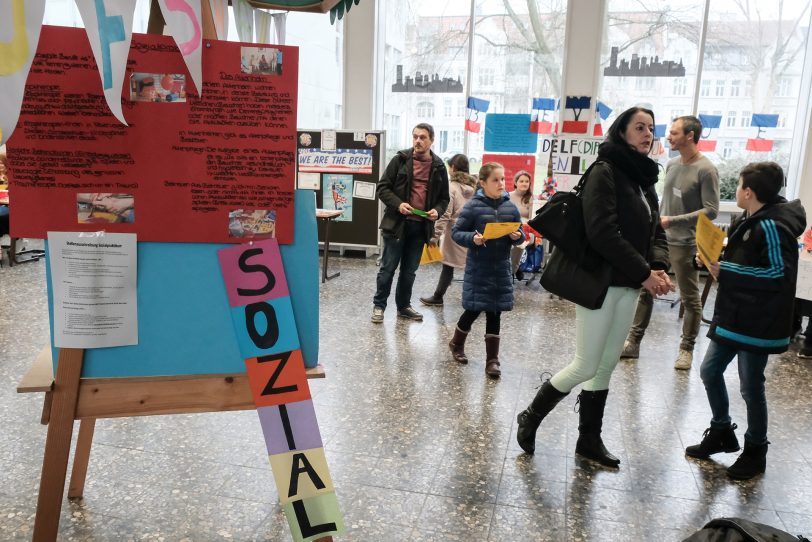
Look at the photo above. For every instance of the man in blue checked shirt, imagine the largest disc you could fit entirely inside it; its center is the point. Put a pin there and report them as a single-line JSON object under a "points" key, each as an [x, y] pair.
{"points": [[753, 313]]}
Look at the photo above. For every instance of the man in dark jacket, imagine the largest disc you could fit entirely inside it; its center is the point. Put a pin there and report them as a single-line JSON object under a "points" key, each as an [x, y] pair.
{"points": [[414, 189], [753, 313]]}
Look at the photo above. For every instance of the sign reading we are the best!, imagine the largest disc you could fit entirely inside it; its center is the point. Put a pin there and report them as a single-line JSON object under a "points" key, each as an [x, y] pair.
{"points": [[266, 334]]}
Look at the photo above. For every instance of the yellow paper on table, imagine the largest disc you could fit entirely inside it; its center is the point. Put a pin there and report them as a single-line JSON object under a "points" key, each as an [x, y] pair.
{"points": [[709, 240], [495, 230], [431, 254]]}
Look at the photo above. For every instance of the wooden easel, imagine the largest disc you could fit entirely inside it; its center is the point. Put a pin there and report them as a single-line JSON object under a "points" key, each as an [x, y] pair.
{"points": [[68, 397]]}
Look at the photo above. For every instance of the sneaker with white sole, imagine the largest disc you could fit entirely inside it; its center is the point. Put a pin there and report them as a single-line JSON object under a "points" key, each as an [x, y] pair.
{"points": [[377, 315], [631, 349], [805, 351], [684, 360]]}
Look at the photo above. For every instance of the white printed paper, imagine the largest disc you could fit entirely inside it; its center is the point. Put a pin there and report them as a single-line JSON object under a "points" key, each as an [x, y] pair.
{"points": [[328, 140], [20, 24], [309, 181], [93, 276], [364, 190]]}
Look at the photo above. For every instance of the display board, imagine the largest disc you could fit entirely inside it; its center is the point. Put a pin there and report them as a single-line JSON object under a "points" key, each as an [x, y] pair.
{"points": [[212, 169], [182, 328], [343, 168]]}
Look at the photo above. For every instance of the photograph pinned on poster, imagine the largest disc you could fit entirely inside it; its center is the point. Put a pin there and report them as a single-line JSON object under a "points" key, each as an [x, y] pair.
{"points": [[309, 181], [363, 190], [337, 195], [358, 136], [158, 87], [252, 223], [261, 60], [328, 140], [99, 208]]}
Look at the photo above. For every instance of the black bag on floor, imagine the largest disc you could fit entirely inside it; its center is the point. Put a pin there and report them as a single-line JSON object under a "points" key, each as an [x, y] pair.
{"points": [[567, 278], [741, 530]]}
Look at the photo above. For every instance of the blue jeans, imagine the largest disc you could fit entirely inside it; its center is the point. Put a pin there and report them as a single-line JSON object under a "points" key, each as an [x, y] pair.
{"points": [[751, 378], [405, 252]]}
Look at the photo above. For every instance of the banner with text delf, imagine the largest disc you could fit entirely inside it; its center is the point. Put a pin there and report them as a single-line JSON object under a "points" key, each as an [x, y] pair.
{"points": [[215, 169], [570, 156]]}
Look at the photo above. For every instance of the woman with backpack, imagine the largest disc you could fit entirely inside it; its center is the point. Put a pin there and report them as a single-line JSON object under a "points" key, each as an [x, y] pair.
{"points": [[622, 225]]}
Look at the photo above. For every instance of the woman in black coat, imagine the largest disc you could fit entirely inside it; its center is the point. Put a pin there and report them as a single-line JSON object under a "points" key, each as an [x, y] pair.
{"points": [[623, 226]]}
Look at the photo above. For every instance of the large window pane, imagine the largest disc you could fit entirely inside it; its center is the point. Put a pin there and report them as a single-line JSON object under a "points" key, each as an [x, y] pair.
{"points": [[649, 58], [757, 47], [321, 68], [518, 55], [425, 62]]}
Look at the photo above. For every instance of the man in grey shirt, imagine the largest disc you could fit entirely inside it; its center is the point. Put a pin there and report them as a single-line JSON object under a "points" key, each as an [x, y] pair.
{"points": [[691, 187]]}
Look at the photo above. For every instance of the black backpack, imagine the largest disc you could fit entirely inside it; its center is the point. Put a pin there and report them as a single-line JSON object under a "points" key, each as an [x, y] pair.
{"points": [[741, 530]]}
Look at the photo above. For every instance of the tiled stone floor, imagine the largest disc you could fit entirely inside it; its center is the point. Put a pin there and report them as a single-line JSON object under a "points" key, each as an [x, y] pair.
{"points": [[419, 447]]}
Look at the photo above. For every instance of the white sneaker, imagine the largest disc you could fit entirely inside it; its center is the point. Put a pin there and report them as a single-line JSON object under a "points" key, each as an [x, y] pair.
{"points": [[684, 360], [631, 349]]}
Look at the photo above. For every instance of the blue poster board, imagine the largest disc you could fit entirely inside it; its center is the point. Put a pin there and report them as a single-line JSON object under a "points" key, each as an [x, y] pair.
{"points": [[184, 320], [509, 132]]}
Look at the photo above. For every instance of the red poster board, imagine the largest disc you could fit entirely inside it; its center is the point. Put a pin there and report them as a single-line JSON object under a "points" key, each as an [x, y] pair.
{"points": [[513, 163], [216, 169]]}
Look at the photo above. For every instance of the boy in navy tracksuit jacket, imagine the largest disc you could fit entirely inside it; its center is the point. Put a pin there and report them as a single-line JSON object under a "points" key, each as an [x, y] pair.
{"points": [[753, 313]]}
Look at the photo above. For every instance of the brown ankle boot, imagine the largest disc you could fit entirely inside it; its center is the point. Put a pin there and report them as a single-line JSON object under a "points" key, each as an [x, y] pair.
{"points": [[457, 345], [492, 356]]}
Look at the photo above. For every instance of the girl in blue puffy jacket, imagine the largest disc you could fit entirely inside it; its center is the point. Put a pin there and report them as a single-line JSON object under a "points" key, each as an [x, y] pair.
{"points": [[488, 285]]}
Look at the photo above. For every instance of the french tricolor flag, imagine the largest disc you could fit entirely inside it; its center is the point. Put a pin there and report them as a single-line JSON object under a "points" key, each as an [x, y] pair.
{"points": [[475, 107], [761, 121], [539, 121]]}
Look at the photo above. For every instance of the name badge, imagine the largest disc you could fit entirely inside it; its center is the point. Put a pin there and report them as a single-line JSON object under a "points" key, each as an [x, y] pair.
{"points": [[677, 192]]}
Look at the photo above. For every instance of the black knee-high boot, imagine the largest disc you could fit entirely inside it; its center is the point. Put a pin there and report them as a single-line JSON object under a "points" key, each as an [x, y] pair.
{"points": [[530, 418], [590, 444]]}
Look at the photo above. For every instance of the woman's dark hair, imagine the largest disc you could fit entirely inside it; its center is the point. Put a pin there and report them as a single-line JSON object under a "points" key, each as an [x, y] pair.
{"points": [[766, 179], [527, 196], [618, 128], [460, 162]]}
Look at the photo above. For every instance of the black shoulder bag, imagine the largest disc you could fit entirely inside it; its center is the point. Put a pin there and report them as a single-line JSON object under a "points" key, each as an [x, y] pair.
{"points": [[561, 221], [574, 270]]}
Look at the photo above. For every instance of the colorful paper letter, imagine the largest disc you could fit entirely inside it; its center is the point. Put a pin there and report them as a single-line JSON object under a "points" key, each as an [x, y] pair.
{"points": [[109, 37], [301, 474], [16, 56], [314, 518]]}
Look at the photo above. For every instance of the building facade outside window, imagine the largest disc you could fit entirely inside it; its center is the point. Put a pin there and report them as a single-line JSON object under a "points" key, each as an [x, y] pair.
{"points": [[754, 54], [704, 89]]}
